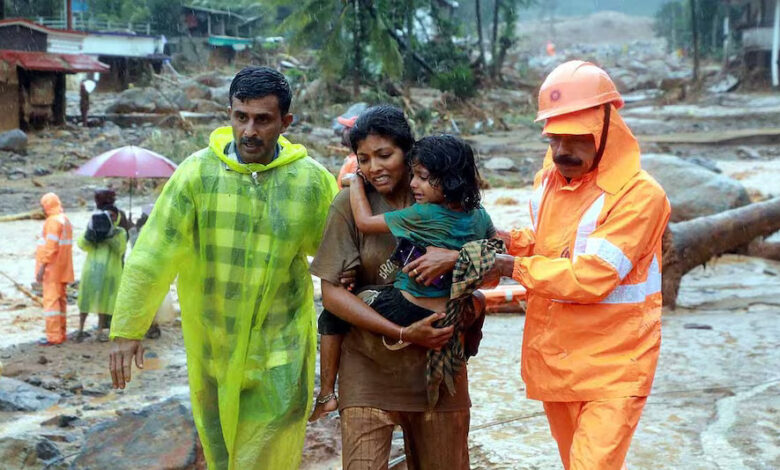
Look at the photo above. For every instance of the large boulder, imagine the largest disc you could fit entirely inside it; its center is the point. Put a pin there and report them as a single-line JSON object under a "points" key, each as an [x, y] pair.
{"points": [[694, 190], [16, 395], [14, 140], [159, 437], [29, 454], [142, 100]]}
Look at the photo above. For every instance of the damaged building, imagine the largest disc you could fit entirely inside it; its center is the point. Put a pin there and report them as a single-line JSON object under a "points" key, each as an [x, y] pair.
{"points": [[32, 86]]}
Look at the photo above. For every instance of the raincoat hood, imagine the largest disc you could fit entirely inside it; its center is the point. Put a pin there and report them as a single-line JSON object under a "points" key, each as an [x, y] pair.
{"points": [[620, 160], [51, 204], [222, 136]]}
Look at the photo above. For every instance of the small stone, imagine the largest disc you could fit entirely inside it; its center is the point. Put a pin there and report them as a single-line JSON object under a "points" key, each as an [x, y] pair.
{"points": [[42, 360], [500, 164], [697, 326], [46, 450], [14, 140]]}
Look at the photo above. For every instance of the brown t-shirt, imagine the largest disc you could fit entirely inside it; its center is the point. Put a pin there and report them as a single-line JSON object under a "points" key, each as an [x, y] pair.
{"points": [[370, 374]]}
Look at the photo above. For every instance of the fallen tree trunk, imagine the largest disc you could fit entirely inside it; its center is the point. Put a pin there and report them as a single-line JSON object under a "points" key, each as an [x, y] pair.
{"points": [[23, 290], [764, 249], [694, 242], [36, 214]]}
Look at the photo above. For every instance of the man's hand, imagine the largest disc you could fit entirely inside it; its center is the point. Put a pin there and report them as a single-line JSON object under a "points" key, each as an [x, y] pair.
{"points": [[423, 333], [122, 353], [434, 263]]}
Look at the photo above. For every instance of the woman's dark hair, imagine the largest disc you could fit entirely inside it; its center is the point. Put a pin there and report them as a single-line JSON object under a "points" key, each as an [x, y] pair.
{"points": [[257, 82], [386, 121], [452, 167]]}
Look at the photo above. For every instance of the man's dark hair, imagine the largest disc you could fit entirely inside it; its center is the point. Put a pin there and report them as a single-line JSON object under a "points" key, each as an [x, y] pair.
{"points": [[385, 121], [257, 82], [452, 167]]}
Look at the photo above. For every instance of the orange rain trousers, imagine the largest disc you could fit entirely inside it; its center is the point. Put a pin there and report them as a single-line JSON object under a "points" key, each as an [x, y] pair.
{"points": [[594, 435], [55, 306]]}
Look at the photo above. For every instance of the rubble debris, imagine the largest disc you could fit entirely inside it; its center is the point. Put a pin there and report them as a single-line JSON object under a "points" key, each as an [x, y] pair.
{"points": [[500, 164], [14, 140], [29, 454], [142, 100], [16, 395], [158, 437], [23, 290]]}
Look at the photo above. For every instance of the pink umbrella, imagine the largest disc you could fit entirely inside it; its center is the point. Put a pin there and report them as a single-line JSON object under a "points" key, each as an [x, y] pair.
{"points": [[128, 162]]}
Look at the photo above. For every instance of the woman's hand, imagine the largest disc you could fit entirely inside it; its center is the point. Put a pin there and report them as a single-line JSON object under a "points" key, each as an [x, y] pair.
{"points": [[434, 263], [423, 333]]}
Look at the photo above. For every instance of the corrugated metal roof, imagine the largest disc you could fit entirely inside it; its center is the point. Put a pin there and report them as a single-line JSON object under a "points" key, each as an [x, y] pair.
{"points": [[48, 62], [39, 27]]}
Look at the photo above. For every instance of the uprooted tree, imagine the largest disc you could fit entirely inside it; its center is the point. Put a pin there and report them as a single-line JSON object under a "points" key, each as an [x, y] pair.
{"points": [[694, 242]]}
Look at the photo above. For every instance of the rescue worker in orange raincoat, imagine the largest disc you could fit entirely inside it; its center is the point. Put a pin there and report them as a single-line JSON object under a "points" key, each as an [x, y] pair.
{"points": [[591, 263], [54, 267], [350, 165]]}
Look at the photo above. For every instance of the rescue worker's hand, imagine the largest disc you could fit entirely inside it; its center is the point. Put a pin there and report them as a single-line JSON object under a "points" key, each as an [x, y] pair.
{"points": [[423, 333], [435, 262], [122, 353], [506, 236], [347, 279]]}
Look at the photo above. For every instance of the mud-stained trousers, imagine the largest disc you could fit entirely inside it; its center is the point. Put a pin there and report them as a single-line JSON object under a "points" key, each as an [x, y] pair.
{"points": [[55, 307], [594, 435], [432, 440]]}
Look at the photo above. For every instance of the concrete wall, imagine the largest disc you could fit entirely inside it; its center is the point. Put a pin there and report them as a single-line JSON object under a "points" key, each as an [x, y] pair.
{"points": [[126, 46]]}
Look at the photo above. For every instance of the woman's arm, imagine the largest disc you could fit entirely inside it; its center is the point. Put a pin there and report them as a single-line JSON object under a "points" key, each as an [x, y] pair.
{"points": [[350, 308], [365, 221]]}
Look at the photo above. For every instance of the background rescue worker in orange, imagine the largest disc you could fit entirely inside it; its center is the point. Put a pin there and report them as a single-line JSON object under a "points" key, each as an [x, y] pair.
{"points": [[54, 267], [350, 165], [591, 263]]}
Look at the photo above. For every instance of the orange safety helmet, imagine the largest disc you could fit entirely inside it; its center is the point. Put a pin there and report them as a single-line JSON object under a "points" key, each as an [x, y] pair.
{"points": [[574, 86]]}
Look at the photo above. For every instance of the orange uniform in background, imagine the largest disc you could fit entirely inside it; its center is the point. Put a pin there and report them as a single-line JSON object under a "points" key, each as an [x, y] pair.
{"points": [[591, 263], [349, 166], [55, 251]]}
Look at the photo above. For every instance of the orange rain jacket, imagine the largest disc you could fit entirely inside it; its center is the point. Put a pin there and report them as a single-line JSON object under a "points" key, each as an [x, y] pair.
{"points": [[55, 247], [591, 263]]}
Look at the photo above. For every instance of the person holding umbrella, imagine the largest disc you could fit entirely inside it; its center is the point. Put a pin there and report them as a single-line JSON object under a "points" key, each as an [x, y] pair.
{"points": [[235, 223]]}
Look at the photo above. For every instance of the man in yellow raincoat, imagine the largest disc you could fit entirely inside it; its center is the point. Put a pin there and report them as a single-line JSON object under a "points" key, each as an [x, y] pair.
{"points": [[591, 263], [235, 223], [54, 267]]}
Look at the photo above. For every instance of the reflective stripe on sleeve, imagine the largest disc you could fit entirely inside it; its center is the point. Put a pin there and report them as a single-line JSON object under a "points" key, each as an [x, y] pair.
{"points": [[605, 250]]}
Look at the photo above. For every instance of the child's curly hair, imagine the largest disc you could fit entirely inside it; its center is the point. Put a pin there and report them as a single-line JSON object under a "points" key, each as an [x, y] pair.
{"points": [[452, 167]]}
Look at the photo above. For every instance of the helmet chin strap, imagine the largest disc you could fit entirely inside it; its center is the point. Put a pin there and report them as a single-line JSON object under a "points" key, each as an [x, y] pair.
{"points": [[604, 133]]}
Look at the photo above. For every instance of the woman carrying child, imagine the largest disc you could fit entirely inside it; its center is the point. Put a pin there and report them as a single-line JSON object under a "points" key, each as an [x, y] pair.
{"points": [[381, 387]]}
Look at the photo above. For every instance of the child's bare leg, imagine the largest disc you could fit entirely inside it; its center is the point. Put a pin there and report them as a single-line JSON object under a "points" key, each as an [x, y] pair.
{"points": [[330, 354]]}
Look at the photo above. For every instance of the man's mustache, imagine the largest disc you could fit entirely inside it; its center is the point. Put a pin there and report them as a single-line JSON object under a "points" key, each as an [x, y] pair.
{"points": [[251, 141], [567, 159]]}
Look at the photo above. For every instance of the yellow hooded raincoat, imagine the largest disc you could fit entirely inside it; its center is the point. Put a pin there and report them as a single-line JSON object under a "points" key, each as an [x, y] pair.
{"points": [[237, 235]]}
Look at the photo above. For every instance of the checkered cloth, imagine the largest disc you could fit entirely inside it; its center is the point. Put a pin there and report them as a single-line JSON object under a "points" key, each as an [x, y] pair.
{"points": [[474, 261]]}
